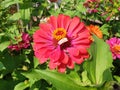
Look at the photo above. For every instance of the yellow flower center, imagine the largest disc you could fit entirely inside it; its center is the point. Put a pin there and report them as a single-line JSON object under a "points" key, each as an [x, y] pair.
{"points": [[116, 48], [59, 33]]}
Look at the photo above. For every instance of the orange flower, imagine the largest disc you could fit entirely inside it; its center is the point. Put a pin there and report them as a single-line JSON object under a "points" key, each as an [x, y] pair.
{"points": [[94, 29]]}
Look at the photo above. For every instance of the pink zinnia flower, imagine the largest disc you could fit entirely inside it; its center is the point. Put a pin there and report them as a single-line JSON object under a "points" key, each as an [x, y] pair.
{"points": [[25, 40], [24, 43], [114, 44], [92, 6], [14, 47], [108, 18], [119, 8], [62, 40]]}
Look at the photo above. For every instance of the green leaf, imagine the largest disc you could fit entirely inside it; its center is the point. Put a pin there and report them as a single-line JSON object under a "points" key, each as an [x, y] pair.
{"points": [[4, 45], [7, 3], [36, 62], [2, 34], [85, 79], [33, 77], [104, 28], [25, 15], [111, 85], [73, 75], [15, 16], [21, 86], [2, 67], [25, 11], [98, 67], [80, 7], [59, 80], [11, 61], [7, 84], [117, 34], [41, 85], [117, 78]]}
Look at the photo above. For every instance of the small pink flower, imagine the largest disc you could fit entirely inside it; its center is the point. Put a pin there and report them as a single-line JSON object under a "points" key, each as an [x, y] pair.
{"points": [[119, 8], [92, 6], [25, 40], [63, 41], [92, 11], [108, 18], [114, 44], [14, 47], [104, 13], [95, 10], [25, 43]]}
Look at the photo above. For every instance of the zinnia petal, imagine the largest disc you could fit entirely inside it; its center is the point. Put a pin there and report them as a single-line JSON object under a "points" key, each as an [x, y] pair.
{"points": [[53, 21], [74, 23], [60, 21], [65, 58], [70, 64], [55, 54], [62, 68]]}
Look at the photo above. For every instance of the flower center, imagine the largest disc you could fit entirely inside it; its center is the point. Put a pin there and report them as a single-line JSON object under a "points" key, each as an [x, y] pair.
{"points": [[59, 33], [116, 48]]}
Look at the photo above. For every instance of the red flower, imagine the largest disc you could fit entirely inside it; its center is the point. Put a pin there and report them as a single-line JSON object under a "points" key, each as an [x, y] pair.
{"points": [[92, 5], [53, 0], [62, 40], [118, 8], [25, 43]]}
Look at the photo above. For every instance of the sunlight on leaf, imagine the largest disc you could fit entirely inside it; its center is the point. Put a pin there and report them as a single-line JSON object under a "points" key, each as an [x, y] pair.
{"points": [[117, 78], [2, 67], [98, 67], [59, 80], [4, 45], [21, 86]]}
